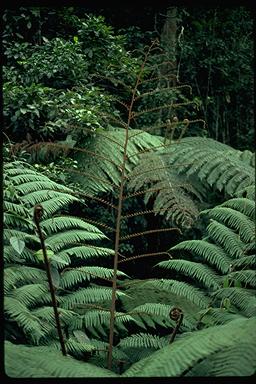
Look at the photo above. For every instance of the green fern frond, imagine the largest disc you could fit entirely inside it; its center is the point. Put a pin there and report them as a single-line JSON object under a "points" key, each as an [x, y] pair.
{"points": [[245, 276], [51, 201], [84, 252], [61, 240], [212, 253], [25, 362], [143, 340], [226, 238], [10, 255], [184, 354], [17, 275], [195, 270], [242, 298], [105, 167], [192, 294], [18, 312], [249, 192], [234, 219], [88, 295], [246, 261], [212, 162], [57, 224], [236, 364], [80, 274], [32, 294], [243, 205], [171, 192], [217, 316]]}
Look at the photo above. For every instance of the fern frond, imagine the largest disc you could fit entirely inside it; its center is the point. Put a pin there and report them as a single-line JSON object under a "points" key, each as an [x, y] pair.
{"points": [[57, 224], [195, 270], [245, 276], [32, 294], [212, 253], [246, 261], [63, 239], [80, 274], [243, 205], [143, 340], [104, 170], [19, 313], [88, 295], [195, 295], [234, 219], [23, 362], [184, 354], [242, 298], [84, 252], [226, 238], [236, 364], [16, 275]]}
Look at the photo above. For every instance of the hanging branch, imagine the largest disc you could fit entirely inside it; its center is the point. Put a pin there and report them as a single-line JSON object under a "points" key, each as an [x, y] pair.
{"points": [[38, 213]]}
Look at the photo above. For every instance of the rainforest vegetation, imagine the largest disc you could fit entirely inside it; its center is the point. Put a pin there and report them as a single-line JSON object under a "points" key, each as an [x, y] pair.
{"points": [[128, 191]]}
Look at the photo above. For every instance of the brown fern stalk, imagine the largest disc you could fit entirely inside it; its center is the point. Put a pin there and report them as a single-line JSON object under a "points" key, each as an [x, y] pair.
{"points": [[119, 212], [38, 212]]}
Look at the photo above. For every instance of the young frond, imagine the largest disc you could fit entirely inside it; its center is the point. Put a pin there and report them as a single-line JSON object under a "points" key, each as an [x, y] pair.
{"points": [[197, 271], [211, 253]]}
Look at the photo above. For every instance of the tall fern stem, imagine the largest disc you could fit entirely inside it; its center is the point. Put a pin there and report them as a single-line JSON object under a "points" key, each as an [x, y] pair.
{"points": [[38, 212]]}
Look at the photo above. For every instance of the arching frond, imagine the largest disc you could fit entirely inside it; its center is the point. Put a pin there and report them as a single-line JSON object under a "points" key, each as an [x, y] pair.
{"points": [[184, 354], [26, 362], [197, 271], [241, 298], [80, 274], [63, 239], [234, 219], [226, 238], [17, 275], [143, 340], [212, 253], [195, 295]]}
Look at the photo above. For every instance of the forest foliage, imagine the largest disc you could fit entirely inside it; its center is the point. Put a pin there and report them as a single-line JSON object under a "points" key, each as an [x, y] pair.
{"points": [[129, 183]]}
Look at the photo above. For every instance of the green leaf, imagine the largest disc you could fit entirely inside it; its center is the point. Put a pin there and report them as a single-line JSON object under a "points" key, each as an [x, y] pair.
{"points": [[75, 38], [39, 254], [226, 282], [23, 111], [17, 244], [55, 276]]}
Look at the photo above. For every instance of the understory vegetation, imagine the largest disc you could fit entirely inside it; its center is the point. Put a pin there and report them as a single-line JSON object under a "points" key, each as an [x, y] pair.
{"points": [[129, 216]]}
